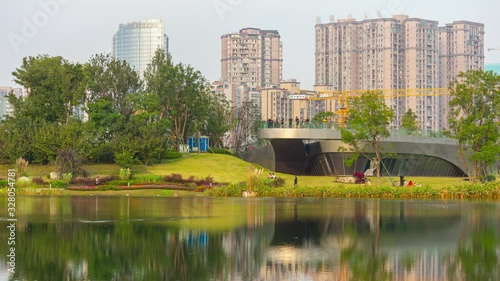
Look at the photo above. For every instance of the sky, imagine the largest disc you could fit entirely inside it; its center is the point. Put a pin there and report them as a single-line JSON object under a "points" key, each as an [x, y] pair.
{"points": [[79, 29]]}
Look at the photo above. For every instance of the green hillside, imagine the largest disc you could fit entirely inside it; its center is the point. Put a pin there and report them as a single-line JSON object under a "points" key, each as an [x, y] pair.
{"points": [[223, 168]]}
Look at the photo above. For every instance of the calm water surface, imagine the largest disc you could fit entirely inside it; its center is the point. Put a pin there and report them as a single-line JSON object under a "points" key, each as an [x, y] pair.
{"points": [[198, 238]]}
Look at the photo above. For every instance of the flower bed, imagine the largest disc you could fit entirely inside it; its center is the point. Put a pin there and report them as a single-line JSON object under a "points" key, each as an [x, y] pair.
{"points": [[128, 187]]}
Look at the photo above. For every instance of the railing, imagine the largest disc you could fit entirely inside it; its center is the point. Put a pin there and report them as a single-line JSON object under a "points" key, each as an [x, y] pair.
{"points": [[334, 126]]}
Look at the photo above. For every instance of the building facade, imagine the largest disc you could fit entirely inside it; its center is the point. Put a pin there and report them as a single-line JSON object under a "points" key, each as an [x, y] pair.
{"points": [[252, 57], [396, 55], [6, 108], [287, 103], [137, 42]]}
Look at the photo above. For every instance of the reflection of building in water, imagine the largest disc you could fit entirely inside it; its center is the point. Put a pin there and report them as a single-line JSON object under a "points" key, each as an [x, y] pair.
{"points": [[428, 265], [403, 243], [77, 270], [306, 263], [247, 247]]}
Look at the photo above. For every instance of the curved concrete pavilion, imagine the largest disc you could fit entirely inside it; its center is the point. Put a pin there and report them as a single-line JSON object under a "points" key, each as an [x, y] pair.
{"points": [[303, 151]]}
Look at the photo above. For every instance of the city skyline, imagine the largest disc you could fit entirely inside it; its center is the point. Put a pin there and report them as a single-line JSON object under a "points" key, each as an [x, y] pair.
{"points": [[78, 30]]}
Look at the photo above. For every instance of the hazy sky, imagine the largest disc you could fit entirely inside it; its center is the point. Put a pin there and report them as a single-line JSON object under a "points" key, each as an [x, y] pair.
{"points": [[78, 29]]}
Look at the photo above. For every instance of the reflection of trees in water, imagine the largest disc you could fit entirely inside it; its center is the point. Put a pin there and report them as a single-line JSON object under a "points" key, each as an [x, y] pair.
{"points": [[358, 240], [246, 249], [363, 256], [136, 250], [477, 255]]}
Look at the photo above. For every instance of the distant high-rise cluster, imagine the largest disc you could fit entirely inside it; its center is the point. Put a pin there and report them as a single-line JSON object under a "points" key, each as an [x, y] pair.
{"points": [[410, 59], [252, 57], [137, 42], [398, 53]]}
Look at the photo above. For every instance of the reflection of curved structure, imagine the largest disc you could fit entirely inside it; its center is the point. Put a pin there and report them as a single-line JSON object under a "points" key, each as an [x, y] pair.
{"points": [[411, 154]]}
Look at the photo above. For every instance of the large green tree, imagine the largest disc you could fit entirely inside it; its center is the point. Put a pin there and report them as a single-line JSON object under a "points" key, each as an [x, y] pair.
{"points": [[55, 87], [114, 80], [39, 127], [182, 92], [409, 122], [368, 127], [474, 119]]}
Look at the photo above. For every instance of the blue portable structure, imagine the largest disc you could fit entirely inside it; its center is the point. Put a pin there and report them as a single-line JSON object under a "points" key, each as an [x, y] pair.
{"points": [[193, 144]]}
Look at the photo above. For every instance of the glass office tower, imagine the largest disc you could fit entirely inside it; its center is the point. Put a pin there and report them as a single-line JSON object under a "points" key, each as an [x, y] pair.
{"points": [[137, 42]]}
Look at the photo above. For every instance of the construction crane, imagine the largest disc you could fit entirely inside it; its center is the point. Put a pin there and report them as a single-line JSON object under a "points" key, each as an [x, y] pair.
{"points": [[342, 98]]}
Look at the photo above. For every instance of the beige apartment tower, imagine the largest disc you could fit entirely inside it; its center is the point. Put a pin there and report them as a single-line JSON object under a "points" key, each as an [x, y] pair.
{"points": [[252, 57], [398, 55]]}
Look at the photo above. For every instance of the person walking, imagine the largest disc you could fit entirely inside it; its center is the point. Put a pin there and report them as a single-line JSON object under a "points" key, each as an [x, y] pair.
{"points": [[295, 181]]}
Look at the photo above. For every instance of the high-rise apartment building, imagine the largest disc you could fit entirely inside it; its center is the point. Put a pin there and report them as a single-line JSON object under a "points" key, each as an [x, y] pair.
{"points": [[137, 42], [252, 57], [397, 55], [6, 108], [462, 49]]}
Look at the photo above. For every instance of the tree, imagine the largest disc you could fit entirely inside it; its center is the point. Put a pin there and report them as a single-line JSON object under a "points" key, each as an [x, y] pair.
{"points": [[55, 87], [219, 120], [114, 80], [369, 118], [246, 121], [102, 130], [148, 135], [474, 119], [409, 122], [199, 118], [329, 116], [68, 161], [16, 138], [181, 90]]}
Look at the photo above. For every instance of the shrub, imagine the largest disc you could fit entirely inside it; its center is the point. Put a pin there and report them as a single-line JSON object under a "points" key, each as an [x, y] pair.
{"points": [[232, 190], [217, 150], [148, 179], [38, 181], [205, 181], [23, 182], [59, 184], [175, 178], [4, 183], [490, 178], [105, 179], [125, 159], [360, 177], [22, 167], [118, 183], [85, 181], [253, 175], [125, 173], [107, 187], [278, 182], [67, 177], [68, 161], [172, 154]]}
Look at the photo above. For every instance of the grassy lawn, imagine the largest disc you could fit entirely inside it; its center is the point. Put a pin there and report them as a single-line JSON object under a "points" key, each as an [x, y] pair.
{"points": [[223, 168]]}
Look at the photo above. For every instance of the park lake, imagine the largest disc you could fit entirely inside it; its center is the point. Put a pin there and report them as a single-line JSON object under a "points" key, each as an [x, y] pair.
{"points": [[209, 238]]}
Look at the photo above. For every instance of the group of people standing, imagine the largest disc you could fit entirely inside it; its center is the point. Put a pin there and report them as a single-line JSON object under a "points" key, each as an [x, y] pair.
{"points": [[280, 123]]}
